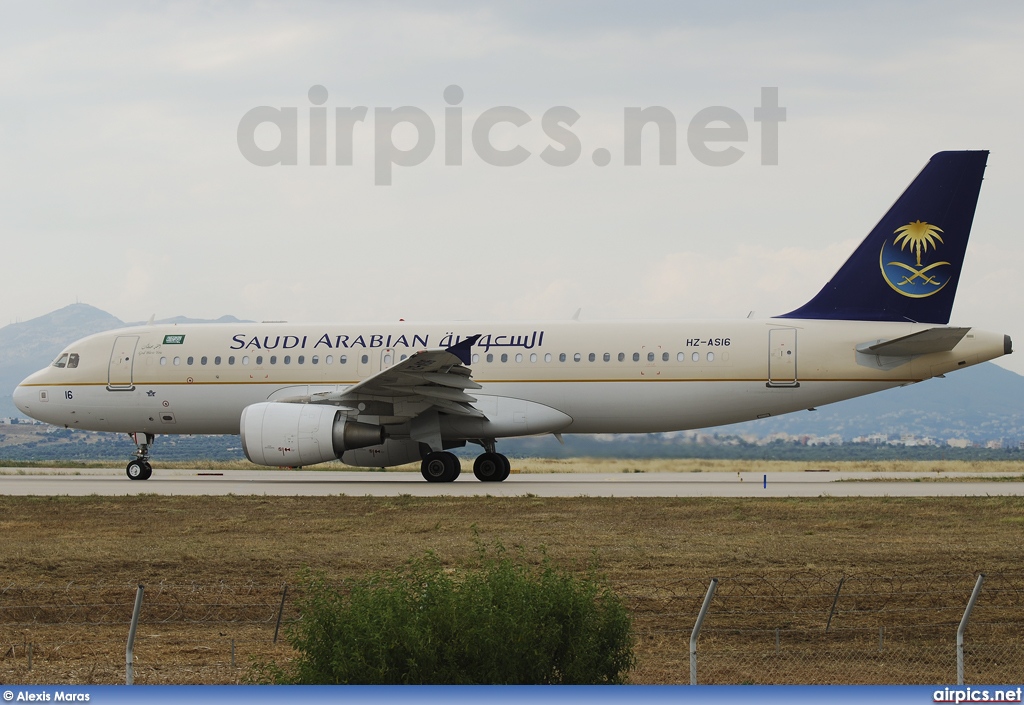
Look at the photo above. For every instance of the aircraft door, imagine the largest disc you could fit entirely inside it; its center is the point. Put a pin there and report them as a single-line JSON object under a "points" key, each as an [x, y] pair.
{"points": [[122, 361], [782, 358]]}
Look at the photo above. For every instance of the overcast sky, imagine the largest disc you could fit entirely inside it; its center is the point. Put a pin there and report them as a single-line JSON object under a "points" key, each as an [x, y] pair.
{"points": [[122, 183]]}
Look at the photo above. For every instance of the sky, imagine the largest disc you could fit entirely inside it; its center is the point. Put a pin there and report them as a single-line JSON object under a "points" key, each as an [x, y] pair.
{"points": [[124, 183]]}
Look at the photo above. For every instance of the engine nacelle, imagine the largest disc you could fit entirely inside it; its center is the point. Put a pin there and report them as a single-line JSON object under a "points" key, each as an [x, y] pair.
{"points": [[282, 434]]}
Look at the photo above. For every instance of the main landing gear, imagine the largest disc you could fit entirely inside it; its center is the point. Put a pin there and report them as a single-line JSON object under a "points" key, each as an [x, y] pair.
{"points": [[139, 468], [443, 466]]}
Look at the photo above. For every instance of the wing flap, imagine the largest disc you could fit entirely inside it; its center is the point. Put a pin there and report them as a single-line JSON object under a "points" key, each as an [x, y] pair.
{"points": [[434, 392], [426, 379]]}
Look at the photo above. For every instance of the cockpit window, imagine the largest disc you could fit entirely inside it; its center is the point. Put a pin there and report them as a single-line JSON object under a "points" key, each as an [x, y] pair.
{"points": [[61, 361], [72, 360]]}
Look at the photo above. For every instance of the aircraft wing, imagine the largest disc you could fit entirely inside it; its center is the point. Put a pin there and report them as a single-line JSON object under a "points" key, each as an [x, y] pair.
{"points": [[426, 379]]}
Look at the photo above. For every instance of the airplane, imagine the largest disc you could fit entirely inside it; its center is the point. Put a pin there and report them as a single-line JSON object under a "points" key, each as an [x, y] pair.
{"points": [[386, 394]]}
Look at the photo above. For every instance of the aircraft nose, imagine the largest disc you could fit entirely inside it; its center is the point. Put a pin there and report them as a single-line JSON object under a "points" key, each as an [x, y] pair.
{"points": [[21, 399]]}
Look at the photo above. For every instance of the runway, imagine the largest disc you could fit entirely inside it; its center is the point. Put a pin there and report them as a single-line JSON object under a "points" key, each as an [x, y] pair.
{"points": [[112, 482]]}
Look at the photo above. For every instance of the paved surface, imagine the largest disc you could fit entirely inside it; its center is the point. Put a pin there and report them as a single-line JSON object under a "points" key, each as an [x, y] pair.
{"points": [[113, 482]]}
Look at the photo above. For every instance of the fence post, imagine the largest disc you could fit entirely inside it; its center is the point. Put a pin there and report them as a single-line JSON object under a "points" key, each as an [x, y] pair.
{"points": [[129, 668], [962, 627], [280, 612], [835, 600], [696, 629]]}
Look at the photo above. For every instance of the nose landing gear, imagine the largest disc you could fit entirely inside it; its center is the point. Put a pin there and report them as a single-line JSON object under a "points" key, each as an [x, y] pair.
{"points": [[139, 468]]}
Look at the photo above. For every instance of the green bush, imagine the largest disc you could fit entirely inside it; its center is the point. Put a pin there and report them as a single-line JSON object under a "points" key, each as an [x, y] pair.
{"points": [[501, 622]]}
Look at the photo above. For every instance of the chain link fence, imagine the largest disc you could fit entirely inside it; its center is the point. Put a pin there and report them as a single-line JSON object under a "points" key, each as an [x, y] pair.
{"points": [[807, 627]]}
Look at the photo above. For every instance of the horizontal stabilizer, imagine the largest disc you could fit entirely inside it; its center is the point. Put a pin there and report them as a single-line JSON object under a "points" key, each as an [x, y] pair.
{"points": [[933, 340]]}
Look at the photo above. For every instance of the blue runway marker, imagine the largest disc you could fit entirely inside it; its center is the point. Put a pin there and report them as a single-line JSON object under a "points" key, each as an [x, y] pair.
{"points": [[766, 482]]}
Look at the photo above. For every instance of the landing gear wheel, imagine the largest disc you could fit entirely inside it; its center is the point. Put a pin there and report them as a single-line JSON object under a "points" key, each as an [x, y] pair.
{"points": [[491, 467], [139, 470], [488, 467], [440, 467], [507, 468]]}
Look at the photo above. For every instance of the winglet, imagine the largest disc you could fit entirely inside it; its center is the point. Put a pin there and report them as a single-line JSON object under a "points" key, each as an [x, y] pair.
{"points": [[461, 348]]}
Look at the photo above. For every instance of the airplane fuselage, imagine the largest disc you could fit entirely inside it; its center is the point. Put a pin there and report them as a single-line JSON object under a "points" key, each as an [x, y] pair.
{"points": [[603, 377], [387, 394]]}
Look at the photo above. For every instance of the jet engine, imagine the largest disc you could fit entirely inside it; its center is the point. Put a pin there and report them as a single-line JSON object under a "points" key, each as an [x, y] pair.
{"points": [[283, 434]]}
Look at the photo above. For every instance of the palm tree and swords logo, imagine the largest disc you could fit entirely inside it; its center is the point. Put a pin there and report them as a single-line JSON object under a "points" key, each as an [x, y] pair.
{"points": [[900, 260]]}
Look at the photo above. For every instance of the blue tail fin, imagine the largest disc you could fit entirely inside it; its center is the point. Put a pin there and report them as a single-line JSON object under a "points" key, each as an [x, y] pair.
{"points": [[909, 265]]}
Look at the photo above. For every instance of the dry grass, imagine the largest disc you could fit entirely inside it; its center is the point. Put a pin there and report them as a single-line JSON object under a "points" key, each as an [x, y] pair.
{"points": [[656, 552]]}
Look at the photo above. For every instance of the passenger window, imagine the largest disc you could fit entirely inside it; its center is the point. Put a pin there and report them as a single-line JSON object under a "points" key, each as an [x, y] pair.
{"points": [[245, 359], [519, 357], [387, 359], [163, 360], [680, 357], [636, 357], [231, 360], [577, 357], [664, 357], [273, 359], [216, 360], [190, 361], [622, 356], [650, 357], [533, 357], [259, 359], [404, 356], [711, 357], [607, 357], [287, 359], [490, 357], [561, 357], [315, 359], [342, 359], [547, 357], [329, 360], [476, 358], [695, 357], [364, 359], [202, 360], [72, 361], [302, 359], [591, 357], [504, 357]]}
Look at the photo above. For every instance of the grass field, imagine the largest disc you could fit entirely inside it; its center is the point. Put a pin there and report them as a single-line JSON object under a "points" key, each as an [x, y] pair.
{"points": [[214, 568]]}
